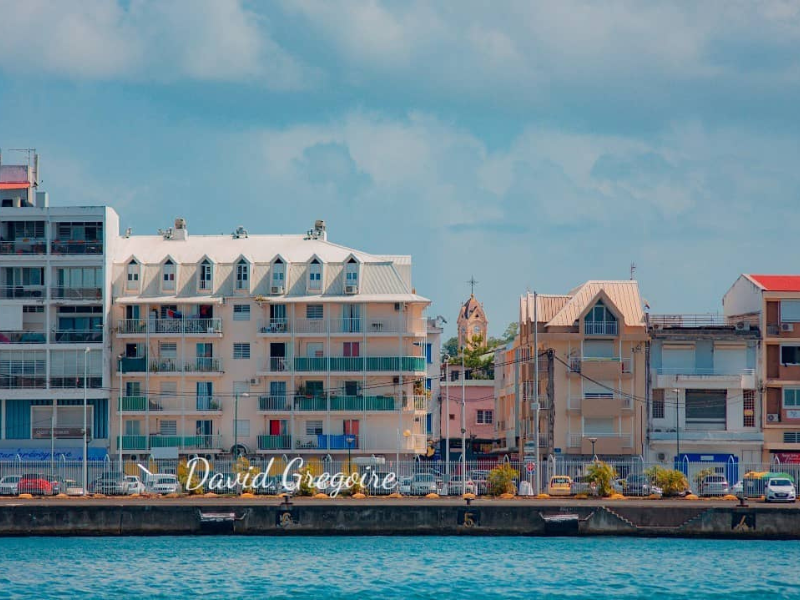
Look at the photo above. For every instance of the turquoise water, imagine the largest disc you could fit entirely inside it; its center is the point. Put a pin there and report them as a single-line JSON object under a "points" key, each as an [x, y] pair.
{"points": [[397, 567]]}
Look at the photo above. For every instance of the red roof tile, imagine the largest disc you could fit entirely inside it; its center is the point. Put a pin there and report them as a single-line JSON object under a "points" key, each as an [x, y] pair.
{"points": [[778, 283]]}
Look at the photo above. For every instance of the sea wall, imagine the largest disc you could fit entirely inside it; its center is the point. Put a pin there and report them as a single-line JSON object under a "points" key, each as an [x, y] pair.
{"points": [[346, 518]]}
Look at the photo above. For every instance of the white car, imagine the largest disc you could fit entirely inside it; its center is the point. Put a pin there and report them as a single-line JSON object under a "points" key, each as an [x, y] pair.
{"points": [[163, 484], [73, 488], [131, 484], [779, 489], [8, 485], [404, 486], [457, 486], [737, 488], [424, 483]]}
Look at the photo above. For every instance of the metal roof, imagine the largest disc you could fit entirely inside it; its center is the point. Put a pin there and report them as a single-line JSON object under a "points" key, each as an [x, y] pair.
{"points": [[776, 283], [564, 310]]}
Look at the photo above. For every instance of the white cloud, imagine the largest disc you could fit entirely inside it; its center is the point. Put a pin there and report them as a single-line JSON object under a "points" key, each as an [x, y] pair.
{"points": [[203, 40]]}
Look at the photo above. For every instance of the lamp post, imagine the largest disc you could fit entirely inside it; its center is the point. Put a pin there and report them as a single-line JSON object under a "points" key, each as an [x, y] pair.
{"points": [[446, 358], [593, 441], [677, 426], [350, 438], [463, 418], [85, 433], [236, 423]]}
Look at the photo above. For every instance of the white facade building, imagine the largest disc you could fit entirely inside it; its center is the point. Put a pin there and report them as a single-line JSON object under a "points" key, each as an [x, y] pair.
{"points": [[280, 344]]}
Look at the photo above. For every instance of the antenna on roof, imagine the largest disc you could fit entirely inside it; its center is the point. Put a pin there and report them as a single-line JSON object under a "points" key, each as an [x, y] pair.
{"points": [[633, 270]]}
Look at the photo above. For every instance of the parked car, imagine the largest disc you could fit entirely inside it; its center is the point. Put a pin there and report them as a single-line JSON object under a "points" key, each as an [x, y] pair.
{"points": [[714, 485], [458, 486], [404, 486], [424, 483], [131, 484], [638, 485], [110, 485], [59, 484], [582, 485], [737, 489], [780, 490], [163, 484], [481, 479], [560, 485], [8, 485], [618, 485], [72, 488], [38, 484]]}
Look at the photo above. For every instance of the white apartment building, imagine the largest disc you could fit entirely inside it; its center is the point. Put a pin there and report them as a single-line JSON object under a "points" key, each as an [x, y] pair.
{"points": [[54, 299], [277, 344]]}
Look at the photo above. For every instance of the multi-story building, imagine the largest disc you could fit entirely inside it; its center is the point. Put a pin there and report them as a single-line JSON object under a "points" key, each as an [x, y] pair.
{"points": [[477, 396], [433, 353], [592, 384], [773, 301], [280, 344], [54, 300], [704, 400]]}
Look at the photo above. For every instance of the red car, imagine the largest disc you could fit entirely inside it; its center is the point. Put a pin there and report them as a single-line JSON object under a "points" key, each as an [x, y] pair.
{"points": [[36, 483]]}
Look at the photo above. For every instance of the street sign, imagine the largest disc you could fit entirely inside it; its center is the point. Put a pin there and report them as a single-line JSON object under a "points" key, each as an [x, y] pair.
{"points": [[530, 467]]}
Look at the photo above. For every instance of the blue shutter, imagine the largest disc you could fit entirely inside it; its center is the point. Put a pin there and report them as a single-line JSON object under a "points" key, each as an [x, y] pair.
{"points": [[428, 355]]}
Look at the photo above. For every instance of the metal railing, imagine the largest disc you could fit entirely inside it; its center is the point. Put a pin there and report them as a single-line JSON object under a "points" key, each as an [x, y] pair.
{"points": [[690, 320], [76, 247], [186, 326], [183, 442], [600, 327], [625, 364], [23, 337], [274, 403], [360, 363], [274, 442], [171, 365], [70, 293], [22, 291], [78, 336], [279, 364], [273, 326], [698, 372], [347, 325], [28, 246], [315, 326]]}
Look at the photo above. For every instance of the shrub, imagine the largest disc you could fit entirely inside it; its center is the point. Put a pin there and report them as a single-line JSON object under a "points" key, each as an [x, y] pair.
{"points": [[183, 479], [501, 480], [602, 475], [671, 481]]}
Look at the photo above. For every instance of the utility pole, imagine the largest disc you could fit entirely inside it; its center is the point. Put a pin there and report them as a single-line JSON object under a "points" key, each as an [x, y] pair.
{"points": [[677, 427], [463, 422], [447, 420], [536, 474]]}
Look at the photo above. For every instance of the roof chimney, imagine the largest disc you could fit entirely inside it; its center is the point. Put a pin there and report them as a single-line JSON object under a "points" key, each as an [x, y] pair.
{"points": [[180, 232]]}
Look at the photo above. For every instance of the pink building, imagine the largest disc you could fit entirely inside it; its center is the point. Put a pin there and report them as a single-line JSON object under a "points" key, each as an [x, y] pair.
{"points": [[478, 397]]}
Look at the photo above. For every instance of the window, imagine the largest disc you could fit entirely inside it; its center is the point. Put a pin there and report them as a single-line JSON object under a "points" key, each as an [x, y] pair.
{"points": [[205, 274], [352, 388], [133, 427], [241, 312], [706, 409], [32, 309], [242, 275], [168, 350], [315, 275], [26, 229], [485, 417], [313, 427], [351, 272], [168, 273], [790, 311], [598, 426], [791, 397], [278, 273], [350, 349], [133, 275], [168, 427], [749, 408], [243, 427], [658, 404], [315, 389], [790, 355], [241, 351], [314, 311]]}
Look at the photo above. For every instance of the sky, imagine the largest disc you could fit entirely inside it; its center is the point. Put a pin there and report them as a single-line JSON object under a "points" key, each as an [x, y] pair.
{"points": [[532, 145]]}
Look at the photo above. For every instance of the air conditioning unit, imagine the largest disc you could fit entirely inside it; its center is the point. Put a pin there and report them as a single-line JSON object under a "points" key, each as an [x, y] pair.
{"points": [[787, 326], [743, 326], [661, 456], [656, 325], [276, 290], [351, 289], [773, 418], [255, 381], [395, 380]]}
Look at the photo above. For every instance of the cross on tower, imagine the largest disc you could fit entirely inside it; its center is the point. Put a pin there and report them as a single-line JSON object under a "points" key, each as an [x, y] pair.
{"points": [[472, 283]]}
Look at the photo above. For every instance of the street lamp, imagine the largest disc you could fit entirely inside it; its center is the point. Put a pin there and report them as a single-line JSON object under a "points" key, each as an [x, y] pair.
{"points": [[350, 439], [593, 441], [446, 359], [85, 433], [236, 423]]}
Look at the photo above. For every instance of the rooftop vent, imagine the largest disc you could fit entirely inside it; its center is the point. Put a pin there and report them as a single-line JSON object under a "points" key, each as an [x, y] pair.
{"points": [[240, 232], [180, 233], [319, 232]]}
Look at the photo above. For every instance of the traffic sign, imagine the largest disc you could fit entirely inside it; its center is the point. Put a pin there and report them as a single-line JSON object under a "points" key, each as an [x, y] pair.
{"points": [[530, 467]]}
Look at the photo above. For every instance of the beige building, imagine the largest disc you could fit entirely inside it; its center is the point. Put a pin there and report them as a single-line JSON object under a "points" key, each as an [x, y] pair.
{"points": [[592, 384], [282, 344]]}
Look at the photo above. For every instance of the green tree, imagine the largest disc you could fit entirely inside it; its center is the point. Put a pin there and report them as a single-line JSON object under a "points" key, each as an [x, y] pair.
{"points": [[450, 347], [501, 480], [671, 481], [511, 332], [602, 475]]}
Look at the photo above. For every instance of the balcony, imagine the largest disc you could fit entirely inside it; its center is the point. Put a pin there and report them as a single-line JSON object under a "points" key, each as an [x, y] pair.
{"points": [[76, 381], [607, 443], [311, 403], [274, 404], [274, 442], [600, 327], [167, 366], [78, 336], [599, 405], [22, 337], [24, 246], [22, 291], [183, 442], [141, 404], [311, 326], [189, 326], [345, 326], [129, 404], [708, 378], [278, 364], [350, 364], [668, 435], [276, 327], [68, 293], [363, 442], [76, 247], [601, 367]]}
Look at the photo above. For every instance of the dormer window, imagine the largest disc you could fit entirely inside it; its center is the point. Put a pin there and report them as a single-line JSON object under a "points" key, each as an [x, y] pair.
{"points": [[315, 275], [205, 275], [133, 276], [351, 270], [278, 273], [242, 275], [600, 321], [168, 276]]}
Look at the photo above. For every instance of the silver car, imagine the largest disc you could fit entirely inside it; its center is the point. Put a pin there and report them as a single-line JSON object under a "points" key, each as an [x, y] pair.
{"points": [[423, 483], [8, 485], [714, 485]]}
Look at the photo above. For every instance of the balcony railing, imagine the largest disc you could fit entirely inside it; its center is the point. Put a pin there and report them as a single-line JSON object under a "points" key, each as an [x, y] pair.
{"points": [[279, 364], [187, 326], [576, 362], [155, 404], [360, 363], [22, 291], [274, 403], [313, 403], [75, 381], [600, 327], [315, 326], [346, 325], [689, 321], [22, 337], [133, 404], [70, 293], [575, 440], [273, 326], [171, 365], [26, 246], [185, 442], [78, 336], [578, 402], [698, 372], [77, 247], [274, 442]]}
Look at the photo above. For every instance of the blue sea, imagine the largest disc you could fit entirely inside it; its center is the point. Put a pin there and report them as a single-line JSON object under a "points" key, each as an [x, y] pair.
{"points": [[397, 567]]}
